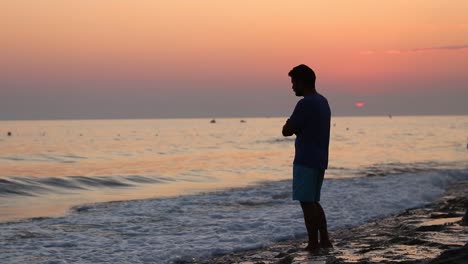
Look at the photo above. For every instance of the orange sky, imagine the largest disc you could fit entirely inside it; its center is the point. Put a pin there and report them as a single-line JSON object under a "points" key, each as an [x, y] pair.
{"points": [[361, 47]]}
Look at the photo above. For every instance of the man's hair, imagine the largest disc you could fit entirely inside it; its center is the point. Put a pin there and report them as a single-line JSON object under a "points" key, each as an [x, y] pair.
{"points": [[304, 74]]}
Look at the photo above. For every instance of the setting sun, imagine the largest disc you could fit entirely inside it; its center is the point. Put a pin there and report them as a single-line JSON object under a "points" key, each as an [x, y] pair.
{"points": [[359, 104]]}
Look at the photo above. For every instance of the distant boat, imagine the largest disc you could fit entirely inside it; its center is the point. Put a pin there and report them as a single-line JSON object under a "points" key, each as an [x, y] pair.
{"points": [[212, 121]]}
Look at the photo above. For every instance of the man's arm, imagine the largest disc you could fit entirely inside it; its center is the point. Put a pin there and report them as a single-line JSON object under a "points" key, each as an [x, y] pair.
{"points": [[295, 122], [288, 129]]}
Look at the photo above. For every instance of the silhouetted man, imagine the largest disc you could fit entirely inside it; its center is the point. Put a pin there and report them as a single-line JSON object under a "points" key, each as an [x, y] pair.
{"points": [[310, 122]]}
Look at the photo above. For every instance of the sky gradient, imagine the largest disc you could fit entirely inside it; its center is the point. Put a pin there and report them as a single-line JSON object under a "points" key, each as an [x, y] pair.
{"points": [[151, 59]]}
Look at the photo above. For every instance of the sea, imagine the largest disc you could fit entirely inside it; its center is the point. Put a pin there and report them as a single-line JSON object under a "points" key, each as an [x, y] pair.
{"points": [[170, 190]]}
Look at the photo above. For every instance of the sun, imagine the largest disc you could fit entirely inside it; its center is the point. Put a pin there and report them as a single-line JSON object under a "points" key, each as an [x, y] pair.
{"points": [[359, 104]]}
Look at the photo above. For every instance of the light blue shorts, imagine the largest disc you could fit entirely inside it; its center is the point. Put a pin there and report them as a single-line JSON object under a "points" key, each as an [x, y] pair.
{"points": [[307, 183]]}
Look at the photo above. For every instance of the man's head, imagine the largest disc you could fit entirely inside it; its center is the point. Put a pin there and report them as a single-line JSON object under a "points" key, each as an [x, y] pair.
{"points": [[302, 79]]}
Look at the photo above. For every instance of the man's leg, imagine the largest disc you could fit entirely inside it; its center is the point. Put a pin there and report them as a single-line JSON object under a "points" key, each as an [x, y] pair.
{"points": [[322, 227], [311, 223]]}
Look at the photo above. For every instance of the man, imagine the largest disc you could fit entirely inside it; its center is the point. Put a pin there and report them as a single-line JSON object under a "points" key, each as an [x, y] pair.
{"points": [[310, 122]]}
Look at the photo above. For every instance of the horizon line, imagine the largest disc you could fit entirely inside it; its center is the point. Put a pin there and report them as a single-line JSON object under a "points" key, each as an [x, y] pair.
{"points": [[219, 117]]}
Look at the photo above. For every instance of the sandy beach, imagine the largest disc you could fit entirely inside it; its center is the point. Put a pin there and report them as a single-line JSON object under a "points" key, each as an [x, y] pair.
{"points": [[437, 233]]}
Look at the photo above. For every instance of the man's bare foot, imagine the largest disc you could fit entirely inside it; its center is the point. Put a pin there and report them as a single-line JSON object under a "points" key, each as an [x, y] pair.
{"points": [[326, 244], [312, 248]]}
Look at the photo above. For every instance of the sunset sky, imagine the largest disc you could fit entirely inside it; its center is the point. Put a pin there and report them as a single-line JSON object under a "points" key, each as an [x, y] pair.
{"points": [[204, 58]]}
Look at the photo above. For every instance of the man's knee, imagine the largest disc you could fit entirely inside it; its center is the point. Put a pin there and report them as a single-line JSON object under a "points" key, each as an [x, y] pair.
{"points": [[310, 206]]}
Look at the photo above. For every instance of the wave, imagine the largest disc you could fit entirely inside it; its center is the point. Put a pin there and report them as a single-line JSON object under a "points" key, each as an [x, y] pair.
{"points": [[45, 158], [180, 228], [395, 168], [35, 186]]}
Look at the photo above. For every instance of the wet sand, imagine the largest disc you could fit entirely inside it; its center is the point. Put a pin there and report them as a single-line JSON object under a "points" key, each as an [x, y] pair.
{"points": [[435, 234]]}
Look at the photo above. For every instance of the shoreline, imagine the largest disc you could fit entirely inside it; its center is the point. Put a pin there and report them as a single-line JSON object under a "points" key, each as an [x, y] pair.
{"points": [[434, 234]]}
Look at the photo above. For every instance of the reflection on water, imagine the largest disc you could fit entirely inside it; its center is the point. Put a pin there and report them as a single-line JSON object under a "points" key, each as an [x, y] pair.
{"points": [[48, 166]]}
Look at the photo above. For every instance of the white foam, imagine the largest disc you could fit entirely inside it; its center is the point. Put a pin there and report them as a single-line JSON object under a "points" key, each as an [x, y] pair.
{"points": [[165, 230]]}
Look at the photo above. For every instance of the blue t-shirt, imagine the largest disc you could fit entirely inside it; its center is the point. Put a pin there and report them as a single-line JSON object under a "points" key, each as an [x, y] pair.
{"points": [[311, 123]]}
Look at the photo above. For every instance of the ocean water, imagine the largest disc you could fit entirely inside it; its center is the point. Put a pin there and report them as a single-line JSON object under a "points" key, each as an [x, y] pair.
{"points": [[159, 191]]}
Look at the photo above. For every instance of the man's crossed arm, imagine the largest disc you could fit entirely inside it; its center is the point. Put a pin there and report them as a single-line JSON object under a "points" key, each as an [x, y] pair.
{"points": [[288, 129]]}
